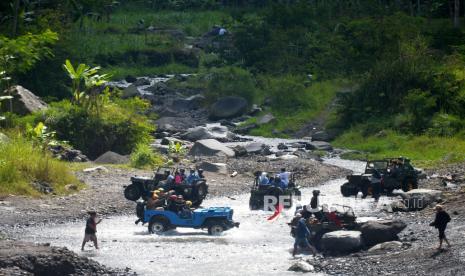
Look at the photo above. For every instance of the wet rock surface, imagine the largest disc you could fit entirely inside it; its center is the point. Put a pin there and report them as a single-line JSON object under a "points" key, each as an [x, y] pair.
{"points": [[23, 258]]}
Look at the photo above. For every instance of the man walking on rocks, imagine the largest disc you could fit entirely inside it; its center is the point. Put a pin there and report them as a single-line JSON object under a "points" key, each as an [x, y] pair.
{"points": [[440, 222], [301, 237], [91, 230]]}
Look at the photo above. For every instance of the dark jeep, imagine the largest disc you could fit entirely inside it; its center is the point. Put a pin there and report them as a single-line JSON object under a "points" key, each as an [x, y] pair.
{"points": [[390, 173], [142, 186], [258, 192]]}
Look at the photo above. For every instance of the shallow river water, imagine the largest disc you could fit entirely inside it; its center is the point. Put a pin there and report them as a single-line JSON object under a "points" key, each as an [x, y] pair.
{"points": [[257, 247]]}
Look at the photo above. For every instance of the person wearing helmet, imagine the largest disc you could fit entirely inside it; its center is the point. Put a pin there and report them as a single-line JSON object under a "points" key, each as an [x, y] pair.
{"points": [[200, 173], [171, 205], [186, 212]]}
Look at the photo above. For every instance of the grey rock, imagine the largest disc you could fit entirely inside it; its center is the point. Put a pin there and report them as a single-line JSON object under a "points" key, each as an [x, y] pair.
{"points": [[282, 146], [319, 145], [321, 136], [174, 124], [210, 147], [217, 132], [374, 232], [239, 151], [301, 266], [192, 102], [420, 198], [141, 82], [342, 241], [214, 167], [24, 101], [110, 157], [265, 119], [130, 91], [228, 107], [385, 246]]}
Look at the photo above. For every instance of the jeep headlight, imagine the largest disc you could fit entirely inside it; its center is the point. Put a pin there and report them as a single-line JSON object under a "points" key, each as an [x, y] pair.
{"points": [[186, 190]]}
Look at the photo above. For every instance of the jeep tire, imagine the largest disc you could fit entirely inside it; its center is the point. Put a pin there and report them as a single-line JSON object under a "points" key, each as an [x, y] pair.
{"points": [[132, 192], [216, 227], [158, 225]]}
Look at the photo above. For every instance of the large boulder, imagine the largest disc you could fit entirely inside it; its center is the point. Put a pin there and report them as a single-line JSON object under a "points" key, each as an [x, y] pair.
{"points": [[192, 102], [210, 147], [214, 167], [318, 145], [228, 107], [24, 101], [374, 232], [420, 198], [110, 157], [341, 241], [321, 136], [254, 148], [173, 124], [217, 132], [385, 246]]}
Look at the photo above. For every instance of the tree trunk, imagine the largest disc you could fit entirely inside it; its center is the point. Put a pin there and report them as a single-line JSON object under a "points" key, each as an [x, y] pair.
{"points": [[15, 18], [418, 7], [456, 13]]}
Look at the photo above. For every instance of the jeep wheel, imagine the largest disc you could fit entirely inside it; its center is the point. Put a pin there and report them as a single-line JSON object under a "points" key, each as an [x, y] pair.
{"points": [[158, 225], [215, 229], [409, 184], [132, 192], [347, 190], [253, 204], [201, 191]]}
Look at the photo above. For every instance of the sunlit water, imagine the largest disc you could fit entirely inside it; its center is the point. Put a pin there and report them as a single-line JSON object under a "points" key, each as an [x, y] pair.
{"points": [[257, 247]]}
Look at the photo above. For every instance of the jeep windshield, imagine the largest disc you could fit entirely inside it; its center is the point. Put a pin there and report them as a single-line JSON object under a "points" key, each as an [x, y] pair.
{"points": [[380, 165]]}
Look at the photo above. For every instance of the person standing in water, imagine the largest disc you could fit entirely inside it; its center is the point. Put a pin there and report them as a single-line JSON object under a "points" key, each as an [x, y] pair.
{"points": [[91, 230]]}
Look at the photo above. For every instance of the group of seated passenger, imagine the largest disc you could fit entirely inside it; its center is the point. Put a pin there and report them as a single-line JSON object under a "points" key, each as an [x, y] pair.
{"points": [[169, 201], [281, 180], [180, 177]]}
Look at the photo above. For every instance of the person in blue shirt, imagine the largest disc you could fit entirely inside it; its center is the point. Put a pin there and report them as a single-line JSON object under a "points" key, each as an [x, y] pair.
{"points": [[263, 179], [192, 177], [301, 237], [284, 176]]}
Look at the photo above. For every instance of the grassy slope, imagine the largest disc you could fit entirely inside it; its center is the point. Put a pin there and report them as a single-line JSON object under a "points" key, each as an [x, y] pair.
{"points": [[21, 164], [106, 38], [424, 150], [322, 93]]}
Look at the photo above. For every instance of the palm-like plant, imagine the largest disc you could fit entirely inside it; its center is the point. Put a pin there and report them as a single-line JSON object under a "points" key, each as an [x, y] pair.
{"points": [[86, 86]]}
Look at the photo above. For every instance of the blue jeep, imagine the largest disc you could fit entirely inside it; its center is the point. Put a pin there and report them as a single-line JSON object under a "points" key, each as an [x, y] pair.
{"points": [[215, 219]]}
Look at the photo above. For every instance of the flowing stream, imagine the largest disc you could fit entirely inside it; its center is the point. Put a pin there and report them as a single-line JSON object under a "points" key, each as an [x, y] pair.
{"points": [[257, 247]]}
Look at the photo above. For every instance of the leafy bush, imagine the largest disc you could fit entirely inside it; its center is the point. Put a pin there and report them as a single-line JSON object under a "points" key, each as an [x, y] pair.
{"points": [[118, 128], [21, 164], [144, 157], [289, 93], [230, 81]]}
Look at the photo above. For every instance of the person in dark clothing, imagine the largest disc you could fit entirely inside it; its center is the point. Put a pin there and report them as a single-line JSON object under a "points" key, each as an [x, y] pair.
{"points": [[315, 205], [440, 222], [301, 237], [91, 230]]}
